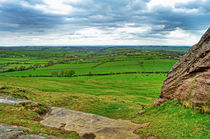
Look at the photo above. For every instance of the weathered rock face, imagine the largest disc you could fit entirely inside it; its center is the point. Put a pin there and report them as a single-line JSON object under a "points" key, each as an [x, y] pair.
{"points": [[91, 126], [189, 79]]}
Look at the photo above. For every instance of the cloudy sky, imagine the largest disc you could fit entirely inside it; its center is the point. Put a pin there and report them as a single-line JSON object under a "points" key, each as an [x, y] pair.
{"points": [[103, 22]]}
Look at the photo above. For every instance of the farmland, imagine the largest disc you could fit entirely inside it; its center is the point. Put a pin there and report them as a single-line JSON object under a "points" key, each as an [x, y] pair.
{"points": [[115, 82]]}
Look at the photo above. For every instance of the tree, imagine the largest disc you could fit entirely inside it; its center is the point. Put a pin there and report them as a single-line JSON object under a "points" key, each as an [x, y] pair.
{"points": [[54, 74], [62, 73], [50, 63], [69, 73], [37, 65], [22, 68]]}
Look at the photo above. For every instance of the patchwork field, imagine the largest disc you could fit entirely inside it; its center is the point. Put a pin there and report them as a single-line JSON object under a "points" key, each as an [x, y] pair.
{"points": [[112, 82]]}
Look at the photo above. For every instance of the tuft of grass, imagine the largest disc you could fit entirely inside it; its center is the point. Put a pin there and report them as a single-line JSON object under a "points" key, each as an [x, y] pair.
{"points": [[35, 107], [16, 92]]}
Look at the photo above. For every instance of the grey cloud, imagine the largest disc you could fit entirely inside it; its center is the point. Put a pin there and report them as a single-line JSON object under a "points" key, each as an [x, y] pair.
{"points": [[25, 18], [107, 15]]}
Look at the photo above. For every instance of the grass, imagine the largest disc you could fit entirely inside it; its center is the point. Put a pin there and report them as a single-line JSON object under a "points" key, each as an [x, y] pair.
{"points": [[97, 85], [114, 96], [101, 95], [117, 66], [171, 120]]}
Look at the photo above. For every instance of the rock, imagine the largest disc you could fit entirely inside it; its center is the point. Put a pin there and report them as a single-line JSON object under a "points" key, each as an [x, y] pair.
{"points": [[91, 126], [141, 112], [31, 137], [151, 137], [189, 79], [7, 132], [13, 101], [27, 104]]}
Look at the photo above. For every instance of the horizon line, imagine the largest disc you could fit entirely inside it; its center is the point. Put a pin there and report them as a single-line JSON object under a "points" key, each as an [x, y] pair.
{"points": [[97, 46]]}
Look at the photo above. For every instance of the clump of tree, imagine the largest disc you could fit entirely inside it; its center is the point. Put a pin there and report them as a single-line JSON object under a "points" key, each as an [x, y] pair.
{"points": [[21, 68], [141, 63], [50, 63], [68, 73], [54, 74], [37, 65]]}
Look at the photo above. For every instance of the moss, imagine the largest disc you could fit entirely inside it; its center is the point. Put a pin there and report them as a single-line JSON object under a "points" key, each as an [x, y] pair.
{"points": [[200, 107], [187, 104], [206, 109]]}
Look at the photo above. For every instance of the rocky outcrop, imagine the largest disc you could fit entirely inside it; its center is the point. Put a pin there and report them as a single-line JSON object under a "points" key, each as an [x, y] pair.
{"points": [[91, 126], [189, 79]]}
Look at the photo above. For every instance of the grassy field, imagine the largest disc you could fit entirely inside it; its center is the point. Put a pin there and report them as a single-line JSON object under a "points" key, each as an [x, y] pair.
{"points": [[118, 96]]}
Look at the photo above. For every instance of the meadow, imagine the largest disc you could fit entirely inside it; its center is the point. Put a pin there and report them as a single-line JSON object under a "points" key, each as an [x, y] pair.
{"points": [[115, 82]]}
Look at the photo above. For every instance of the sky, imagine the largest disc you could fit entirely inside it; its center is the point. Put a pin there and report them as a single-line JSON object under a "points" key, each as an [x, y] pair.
{"points": [[102, 22]]}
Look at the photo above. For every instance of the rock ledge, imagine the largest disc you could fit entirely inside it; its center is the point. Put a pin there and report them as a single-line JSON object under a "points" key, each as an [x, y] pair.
{"points": [[91, 126]]}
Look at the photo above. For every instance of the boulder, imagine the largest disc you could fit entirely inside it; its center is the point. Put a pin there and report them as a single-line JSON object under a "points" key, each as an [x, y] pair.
{"points": [[189, 79]]}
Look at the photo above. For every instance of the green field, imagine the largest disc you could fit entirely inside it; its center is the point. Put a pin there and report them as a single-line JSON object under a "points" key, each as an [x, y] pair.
{"points": [[141, 72]]}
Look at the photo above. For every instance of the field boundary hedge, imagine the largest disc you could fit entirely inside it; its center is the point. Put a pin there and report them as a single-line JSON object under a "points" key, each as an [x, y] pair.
{"points": [[96, 74]]}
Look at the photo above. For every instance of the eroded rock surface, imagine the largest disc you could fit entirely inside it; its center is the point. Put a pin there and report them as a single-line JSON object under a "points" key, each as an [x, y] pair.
{"points": [[13, 101], [189, 79], [13, 132], [31, 137], [7, 132], [91, 126]]}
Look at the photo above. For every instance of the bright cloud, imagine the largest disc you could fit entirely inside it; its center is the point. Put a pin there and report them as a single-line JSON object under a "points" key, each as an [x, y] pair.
{"points": [[62, 7], [166, 3], [179, 33], [134, 29], [171, 4]]}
